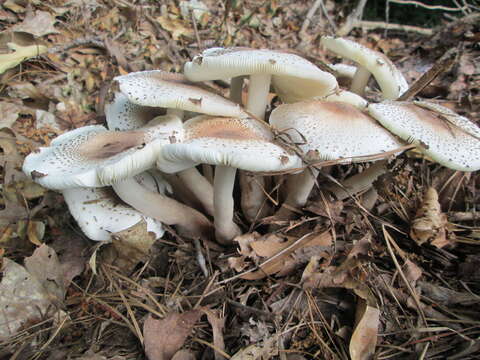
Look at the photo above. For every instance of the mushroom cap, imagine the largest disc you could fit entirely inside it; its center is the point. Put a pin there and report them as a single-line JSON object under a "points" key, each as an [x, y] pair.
{"points": [[121, 114], [333, 130], [444, 136], [240, 143], [92, 156], [158, 88], [99, 213], [389, 78], [292, 76], [347, 97]]}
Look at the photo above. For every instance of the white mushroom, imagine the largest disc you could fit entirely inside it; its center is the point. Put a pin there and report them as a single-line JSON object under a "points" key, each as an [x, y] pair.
{"points": [[370, 62], [290, 74], [172, 91], [121, 114], [99, 213], [228, 143], [92, 156], [448, 138], [328, 131]]}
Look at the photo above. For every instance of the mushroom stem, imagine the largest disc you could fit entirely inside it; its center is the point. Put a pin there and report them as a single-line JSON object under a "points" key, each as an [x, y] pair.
{"points": [[236, 88], [253, 197], [208, 172], [177, 112], [199, 186], [223, 183], [360, 80], [189, 222], [298, 189], [258, 90]]}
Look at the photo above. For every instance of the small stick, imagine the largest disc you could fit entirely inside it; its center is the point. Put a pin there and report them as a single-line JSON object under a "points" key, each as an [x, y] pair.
{"points": [[441, 65], [200, 258]]}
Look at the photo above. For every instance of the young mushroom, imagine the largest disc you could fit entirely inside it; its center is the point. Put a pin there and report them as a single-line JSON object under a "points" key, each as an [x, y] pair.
{"points": [[370, 62], [230, 144], [327, 131], [446, 137]]}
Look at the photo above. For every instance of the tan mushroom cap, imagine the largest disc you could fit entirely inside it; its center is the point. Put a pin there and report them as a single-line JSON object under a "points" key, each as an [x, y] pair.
{"points": [[333, 130], [444, 136], [239, 143], [389, 78], [292, 76], [158, 88]]}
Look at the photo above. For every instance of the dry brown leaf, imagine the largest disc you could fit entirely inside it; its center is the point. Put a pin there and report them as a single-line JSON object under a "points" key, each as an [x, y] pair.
{"points": [[164, 337], [430, 224], [412, 272], [38, 24], [32, 293], [176, 27], [364, 337], [217, 322], [23, 300], [129, 247], [270, 246]]}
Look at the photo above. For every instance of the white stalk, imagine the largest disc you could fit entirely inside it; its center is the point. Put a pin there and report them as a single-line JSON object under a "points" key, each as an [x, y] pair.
{"points": [[223, 183], [258, 90], [189, 221], [199, 186], [299, 187], [236, 89], [360, 80]]}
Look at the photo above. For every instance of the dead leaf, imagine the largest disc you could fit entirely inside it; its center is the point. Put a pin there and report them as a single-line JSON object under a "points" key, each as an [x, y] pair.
{"points": [[129, 247], [23, 300], [217, 322], [44, 264], [412, 272], [364, 337], [38, 24], [164, 337], [176, 27], [270, 246], [32, 293], [430, 224]]}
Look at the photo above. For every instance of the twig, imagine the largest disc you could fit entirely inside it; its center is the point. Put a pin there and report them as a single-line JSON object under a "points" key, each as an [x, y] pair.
{"points": [[308, 18], [353, 18], [404, 278], [371, 25], [463, 216], [85, 41], [425, 6], [200, 258], [441, 65]]}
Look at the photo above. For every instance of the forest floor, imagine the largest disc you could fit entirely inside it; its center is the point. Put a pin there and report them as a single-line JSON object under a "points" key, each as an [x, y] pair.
{"points": [[351, 278]]}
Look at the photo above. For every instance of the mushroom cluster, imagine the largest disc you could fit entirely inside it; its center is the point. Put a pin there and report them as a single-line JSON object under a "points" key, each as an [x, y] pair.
{"points": [[166, 131]]}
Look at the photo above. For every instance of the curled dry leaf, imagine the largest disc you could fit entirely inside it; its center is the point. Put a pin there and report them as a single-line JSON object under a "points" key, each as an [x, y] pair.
{"points": [[38, 24], [164, 337], [284, 254], [364, 337], [32, 293], [129, 247], [430, 224]]}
